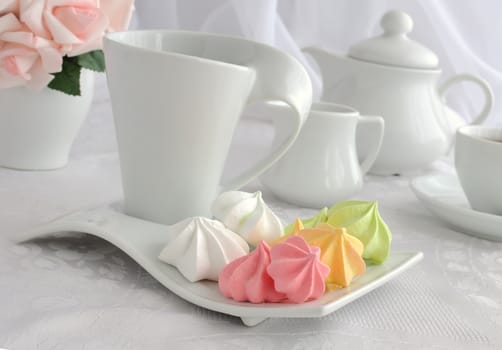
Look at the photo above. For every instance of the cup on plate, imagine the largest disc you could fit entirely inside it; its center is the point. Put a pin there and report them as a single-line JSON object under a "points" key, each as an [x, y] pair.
{"points": [[478, 161], [177, 98]]}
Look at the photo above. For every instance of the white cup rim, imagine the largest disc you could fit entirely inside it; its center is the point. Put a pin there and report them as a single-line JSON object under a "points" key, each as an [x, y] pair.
{"points": [[123, 39], [486, 134]]}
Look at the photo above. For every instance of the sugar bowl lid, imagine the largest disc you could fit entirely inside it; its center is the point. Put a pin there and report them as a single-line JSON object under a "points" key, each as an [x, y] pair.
{"points": [[393, 47]]}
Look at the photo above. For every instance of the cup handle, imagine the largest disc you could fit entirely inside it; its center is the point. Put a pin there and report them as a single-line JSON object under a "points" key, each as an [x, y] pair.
{"points": [[279, 77], [485, 88], [371, 157]]}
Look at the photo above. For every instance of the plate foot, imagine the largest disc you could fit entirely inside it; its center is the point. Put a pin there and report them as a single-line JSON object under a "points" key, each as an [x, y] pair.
{"points": [[252, 321]]}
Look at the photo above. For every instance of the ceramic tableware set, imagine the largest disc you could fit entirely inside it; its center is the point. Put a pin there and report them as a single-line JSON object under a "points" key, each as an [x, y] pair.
{"points": [[396, 122], [177, 97], [396, 78]]}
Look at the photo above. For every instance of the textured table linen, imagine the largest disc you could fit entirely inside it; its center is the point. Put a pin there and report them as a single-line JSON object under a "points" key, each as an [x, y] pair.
{"points": [[79, 292]]}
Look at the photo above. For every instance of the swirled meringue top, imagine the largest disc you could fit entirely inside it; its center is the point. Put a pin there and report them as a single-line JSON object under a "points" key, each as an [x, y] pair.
{"points": [[202, 247], [319, 218], [297, 270], [247, 279], [339, 250], [248, 215], [362, 220]]}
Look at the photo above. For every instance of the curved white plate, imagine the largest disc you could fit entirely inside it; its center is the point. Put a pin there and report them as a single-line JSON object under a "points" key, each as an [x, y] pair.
{"points": [[143, 241], [444, 197]]}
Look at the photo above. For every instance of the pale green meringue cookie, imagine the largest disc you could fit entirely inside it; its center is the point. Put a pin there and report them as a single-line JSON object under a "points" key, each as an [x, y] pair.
{"points": [[320, 218], [362, 220]]}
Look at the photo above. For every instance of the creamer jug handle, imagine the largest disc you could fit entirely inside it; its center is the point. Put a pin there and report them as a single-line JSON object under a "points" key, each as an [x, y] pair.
{"points": [[379, 125]]}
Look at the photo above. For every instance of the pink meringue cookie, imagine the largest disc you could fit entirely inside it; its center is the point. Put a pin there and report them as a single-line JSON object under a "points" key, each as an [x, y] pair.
{"points": [[247, 279], [297, 270]]}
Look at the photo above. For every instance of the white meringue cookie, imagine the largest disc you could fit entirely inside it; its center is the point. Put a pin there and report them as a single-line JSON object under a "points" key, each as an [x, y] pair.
{"points": [[202, 247], [248, 215]]}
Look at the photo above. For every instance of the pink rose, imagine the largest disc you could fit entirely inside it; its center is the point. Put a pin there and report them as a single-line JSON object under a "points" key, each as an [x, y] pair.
{"points": [[119, 13], [77, 25], [9, 6], [25, 59]]}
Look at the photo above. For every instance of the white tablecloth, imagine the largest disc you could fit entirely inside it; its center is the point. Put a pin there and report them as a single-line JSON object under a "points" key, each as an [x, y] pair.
{"points": [[83, 293]]}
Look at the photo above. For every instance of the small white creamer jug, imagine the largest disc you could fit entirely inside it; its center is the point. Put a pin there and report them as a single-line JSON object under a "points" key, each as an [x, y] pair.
{"points": [[322, 166]]}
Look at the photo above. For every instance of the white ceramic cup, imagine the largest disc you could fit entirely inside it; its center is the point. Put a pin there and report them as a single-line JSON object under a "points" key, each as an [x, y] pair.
{"points": [[478, 161], [322, 166], [176, 98]]}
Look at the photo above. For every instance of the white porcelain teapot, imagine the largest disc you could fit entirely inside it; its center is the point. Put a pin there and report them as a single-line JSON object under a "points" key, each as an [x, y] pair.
{"points": [[396, 78]]}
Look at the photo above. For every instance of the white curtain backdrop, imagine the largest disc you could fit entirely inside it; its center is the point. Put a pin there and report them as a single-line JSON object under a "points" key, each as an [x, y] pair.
{"points": [[465, 34]]}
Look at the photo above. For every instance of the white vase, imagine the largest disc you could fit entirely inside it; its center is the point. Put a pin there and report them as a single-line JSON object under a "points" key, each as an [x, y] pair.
{"points": [[37, 128]]}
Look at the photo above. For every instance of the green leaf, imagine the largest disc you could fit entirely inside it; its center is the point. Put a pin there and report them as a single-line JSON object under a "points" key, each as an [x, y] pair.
{"points": [[94, 60], [68, 80]]}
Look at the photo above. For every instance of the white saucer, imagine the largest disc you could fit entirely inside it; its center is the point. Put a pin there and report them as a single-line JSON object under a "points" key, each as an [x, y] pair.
{"points": [[444, 197], [143, 241]]}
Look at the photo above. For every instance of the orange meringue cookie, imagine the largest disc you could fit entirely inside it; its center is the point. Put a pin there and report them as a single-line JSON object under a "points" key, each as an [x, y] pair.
{"points": [[339, 250], [247, 279], [297, 270]]}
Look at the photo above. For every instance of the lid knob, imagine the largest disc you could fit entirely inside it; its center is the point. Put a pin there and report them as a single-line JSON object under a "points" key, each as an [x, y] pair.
{"points": [[393, 47], [396, 23]]}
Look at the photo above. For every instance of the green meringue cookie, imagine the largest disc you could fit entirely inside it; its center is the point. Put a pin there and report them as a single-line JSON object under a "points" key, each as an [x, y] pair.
{"points": [[362, 220], [321, 217]]}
